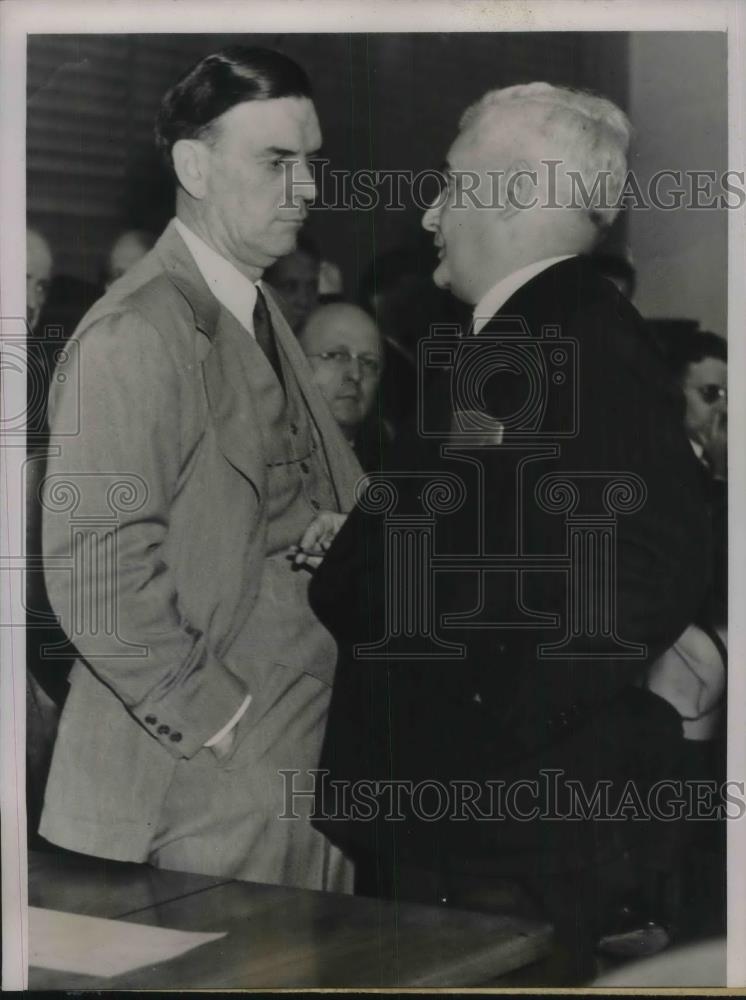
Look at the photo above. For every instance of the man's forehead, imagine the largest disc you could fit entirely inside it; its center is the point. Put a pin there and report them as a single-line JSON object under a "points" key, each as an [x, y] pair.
{"points": [[709, 369], [283, 123], [342, 323], [495, 134], [38, 255]]}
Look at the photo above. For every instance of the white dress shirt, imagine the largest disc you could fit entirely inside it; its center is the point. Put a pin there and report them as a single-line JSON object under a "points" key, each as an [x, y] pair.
{"points": [[238, 294], [499, 294], [231, 288]]}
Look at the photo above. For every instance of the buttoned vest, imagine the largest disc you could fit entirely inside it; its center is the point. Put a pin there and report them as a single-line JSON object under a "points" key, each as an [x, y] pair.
{"points": [[282, 629]]}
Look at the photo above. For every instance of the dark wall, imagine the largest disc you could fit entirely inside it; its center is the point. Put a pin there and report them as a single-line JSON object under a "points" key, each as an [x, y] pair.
{"points": [[385, 102]]}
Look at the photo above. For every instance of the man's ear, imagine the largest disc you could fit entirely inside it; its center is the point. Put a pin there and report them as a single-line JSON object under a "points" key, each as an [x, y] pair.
{"points": [[521, 188], [191, 165]]}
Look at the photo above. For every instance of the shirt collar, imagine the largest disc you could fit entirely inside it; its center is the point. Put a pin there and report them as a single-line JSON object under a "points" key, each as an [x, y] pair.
{"points": [[499, 294], [698, 450], [232, 289]]}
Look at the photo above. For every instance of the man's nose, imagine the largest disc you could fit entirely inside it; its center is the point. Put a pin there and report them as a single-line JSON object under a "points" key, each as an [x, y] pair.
{"points": [[431, 218], [353, 370], [304, 185]]}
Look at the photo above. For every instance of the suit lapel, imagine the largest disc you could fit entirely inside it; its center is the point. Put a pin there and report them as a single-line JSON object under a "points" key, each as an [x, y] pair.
{"points": [[231, 402], [226, 381], [235, 418]]}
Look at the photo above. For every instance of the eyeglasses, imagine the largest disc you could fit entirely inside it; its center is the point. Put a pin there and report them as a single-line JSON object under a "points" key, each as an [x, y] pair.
{"points": [[369, 365], [710, 393]]}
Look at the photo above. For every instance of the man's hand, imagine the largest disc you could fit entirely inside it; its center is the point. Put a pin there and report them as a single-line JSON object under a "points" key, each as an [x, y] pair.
{"points": [[475, 428], [224, 746], [317, 539]]}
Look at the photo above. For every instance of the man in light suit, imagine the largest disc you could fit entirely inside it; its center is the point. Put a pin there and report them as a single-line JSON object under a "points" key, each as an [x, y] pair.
{"points": [[204, 453], [503, 710]]}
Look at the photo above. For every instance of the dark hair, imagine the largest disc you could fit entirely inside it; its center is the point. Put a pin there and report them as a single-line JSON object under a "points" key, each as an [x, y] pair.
{"points": [[219, 82], [688, 348], [307, 245]]}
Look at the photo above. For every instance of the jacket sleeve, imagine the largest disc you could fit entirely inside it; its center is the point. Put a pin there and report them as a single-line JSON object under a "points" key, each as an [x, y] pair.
{"points": [[107, 499]]}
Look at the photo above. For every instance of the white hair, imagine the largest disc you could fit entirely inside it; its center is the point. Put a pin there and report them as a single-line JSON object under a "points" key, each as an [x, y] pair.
{"points": [[589, 134]]}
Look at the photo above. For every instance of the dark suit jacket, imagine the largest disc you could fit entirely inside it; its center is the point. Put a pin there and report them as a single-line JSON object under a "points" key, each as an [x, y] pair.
{"points": [[503, 711]]}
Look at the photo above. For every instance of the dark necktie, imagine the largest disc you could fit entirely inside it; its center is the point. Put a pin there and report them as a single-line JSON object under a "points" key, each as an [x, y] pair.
{"points": [[265, 335]]}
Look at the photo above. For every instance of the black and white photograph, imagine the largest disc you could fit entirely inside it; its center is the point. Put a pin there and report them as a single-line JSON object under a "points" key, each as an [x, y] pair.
{"points": [[372, 524]]}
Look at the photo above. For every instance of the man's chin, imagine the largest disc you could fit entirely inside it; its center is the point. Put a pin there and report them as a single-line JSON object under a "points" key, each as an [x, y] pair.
{"points": [[441, 277], [287, 244], [347, 413]]}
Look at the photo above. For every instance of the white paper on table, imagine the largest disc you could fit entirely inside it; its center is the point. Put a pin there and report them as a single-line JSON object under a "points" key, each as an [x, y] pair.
{"points": [[94, 946]]}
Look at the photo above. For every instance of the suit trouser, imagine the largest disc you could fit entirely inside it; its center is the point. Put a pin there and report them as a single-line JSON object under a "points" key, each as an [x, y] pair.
{"points": [[237, 817], [568, 873]]}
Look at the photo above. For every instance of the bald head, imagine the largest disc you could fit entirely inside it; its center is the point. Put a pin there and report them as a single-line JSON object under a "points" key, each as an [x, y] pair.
{"points": [[126, 250], [296, 277], [39, 265], [345, 351], [340, 319]]}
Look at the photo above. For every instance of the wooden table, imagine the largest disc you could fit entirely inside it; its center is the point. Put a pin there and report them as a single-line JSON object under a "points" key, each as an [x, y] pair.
{"points": [[279, 937]]}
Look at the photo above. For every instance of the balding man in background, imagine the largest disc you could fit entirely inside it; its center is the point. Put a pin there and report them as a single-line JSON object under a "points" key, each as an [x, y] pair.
{"points": [[38, 275], [126, 250], [296, 278], [345, 350], [512, 243]]}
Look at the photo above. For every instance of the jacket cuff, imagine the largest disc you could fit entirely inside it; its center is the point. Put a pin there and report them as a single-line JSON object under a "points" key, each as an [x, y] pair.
{"points": [[185, 729]]}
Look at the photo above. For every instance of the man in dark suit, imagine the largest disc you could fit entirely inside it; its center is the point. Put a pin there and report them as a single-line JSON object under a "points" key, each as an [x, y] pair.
{"points": [[562, 518]]}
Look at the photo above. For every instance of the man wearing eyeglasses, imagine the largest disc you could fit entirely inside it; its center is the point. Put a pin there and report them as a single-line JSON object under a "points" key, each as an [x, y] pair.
{"points": [[701, 365], [345, 350]]}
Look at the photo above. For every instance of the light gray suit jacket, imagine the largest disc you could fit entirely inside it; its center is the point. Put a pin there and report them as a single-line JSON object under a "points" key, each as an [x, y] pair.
{"points": [[153, 534]]}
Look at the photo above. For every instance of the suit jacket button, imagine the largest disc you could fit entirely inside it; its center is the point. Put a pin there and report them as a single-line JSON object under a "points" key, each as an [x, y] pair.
{"points": [[305, 467], [151, 720], [175, 737], [164, 730], [316, 505], [293, 428]]}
